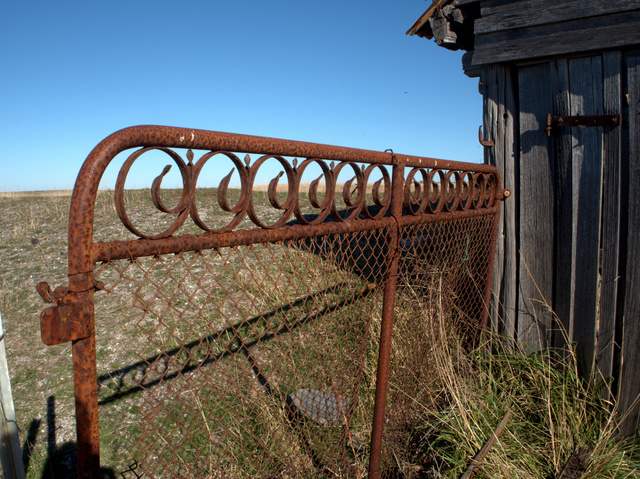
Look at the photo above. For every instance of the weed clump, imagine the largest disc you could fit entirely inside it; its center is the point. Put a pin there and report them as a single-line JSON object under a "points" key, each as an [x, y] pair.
{"points": [[449, 394]]}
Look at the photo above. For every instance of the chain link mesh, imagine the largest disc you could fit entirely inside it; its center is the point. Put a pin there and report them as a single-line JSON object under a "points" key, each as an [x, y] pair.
{"points": [[260, 360], [253, 360]]}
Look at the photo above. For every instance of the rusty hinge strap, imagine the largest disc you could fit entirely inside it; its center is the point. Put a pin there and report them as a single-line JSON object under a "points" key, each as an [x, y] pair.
{"points": [[582, 120], [67, 322]]}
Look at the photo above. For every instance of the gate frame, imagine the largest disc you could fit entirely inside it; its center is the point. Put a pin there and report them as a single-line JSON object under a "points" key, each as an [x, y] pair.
{"points": [[73, 319]]}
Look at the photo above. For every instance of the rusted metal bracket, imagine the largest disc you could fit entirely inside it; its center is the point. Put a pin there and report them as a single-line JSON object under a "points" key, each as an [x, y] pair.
{"points": [[581, 120], [67, 321], [483, 142]]}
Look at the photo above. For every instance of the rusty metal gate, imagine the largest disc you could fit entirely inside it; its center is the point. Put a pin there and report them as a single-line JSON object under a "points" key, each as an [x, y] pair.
{"points": [[257, 321]]}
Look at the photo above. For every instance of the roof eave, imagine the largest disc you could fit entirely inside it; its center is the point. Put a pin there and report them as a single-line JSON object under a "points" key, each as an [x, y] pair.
{"points": [[421, 26]]}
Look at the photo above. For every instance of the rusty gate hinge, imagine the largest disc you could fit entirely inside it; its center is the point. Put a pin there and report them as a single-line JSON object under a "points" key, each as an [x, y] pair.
{"points": [[581, 120], [68, 320]]}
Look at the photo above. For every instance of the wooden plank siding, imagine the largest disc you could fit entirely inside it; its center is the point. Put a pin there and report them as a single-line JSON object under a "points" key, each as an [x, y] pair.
{"points": [[500, 106], [569, 237], [630, 367], [564, 245], [492, 98], [536, 204], [606, 348], [585, 79]]}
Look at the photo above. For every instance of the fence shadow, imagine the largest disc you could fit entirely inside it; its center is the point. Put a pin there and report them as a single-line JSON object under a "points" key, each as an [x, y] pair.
{"points": [[62, 459], [124, 378]]}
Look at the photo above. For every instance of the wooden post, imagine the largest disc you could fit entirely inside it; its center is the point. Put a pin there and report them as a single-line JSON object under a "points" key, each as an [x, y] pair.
{"points": [[10, 454]]}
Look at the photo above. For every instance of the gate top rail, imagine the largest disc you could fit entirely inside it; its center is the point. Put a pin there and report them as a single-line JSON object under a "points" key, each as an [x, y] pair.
{"points": [[447, 186]]}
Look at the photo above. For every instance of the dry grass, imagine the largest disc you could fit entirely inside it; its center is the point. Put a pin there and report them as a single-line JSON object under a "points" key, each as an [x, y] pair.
{"points": [[37, 194], [33, 245], [554, 414], [445, 397], [32, 249]]}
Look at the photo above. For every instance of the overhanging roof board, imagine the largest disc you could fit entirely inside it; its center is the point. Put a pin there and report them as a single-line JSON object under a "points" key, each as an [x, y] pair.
{"points": [[608, 31], [421, 27], [500, 15], [522, 30]]}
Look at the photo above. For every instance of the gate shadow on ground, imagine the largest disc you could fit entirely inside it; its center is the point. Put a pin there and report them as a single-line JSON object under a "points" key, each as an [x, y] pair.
{"points": [[125, 378], [363, 254], [367, 265]]}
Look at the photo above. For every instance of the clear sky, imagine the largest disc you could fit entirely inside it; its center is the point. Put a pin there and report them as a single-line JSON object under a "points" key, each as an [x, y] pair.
{"points": [[340, 72]]}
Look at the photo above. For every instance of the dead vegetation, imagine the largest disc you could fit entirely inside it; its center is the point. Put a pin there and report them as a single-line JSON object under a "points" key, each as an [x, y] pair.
{"points": [[198, 354]]}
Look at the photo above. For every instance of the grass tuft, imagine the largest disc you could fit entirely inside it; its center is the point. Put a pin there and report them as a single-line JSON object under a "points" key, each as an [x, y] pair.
{"points": [[558, 422]]}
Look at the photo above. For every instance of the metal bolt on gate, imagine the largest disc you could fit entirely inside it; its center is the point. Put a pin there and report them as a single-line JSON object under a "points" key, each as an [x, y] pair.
{"points": [[249, 310]]}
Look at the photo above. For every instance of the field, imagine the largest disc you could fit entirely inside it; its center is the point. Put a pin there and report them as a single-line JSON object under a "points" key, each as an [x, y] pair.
{"points": [[33, 249], [271, 321]]}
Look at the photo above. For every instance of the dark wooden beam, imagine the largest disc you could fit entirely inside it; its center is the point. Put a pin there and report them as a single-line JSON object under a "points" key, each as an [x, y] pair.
{"points": [[467, 66], [584, 35], [501, 15]]}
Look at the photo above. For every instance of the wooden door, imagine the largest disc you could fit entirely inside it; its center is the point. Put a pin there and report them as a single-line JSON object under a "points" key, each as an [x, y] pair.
{"points": [[559, 244], [568, 253]]}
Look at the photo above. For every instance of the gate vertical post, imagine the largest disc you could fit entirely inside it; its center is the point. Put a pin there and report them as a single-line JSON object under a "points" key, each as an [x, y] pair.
{"points": [[85, 385], [86, 399], [81, 290], [386, 328]]}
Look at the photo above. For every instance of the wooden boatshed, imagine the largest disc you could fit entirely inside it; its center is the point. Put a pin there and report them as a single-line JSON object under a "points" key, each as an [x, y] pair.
{"points": [[560, 81]]}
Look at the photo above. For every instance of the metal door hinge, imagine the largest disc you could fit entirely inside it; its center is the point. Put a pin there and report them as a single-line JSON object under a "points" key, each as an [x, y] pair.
{"points": [[581, 120]]}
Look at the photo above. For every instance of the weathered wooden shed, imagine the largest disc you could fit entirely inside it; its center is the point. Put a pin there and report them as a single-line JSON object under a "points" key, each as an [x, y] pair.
{"points": [[561, 86]]}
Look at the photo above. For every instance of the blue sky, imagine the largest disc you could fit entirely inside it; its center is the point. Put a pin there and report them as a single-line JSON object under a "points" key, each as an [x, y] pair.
{"points": [[335, 72]]}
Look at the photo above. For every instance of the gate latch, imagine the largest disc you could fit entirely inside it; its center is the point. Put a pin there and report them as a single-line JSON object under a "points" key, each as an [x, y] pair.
{"points": [[582, 120], [67, 320]]}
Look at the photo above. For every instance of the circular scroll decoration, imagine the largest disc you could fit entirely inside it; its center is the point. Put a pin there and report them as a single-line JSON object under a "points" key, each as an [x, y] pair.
{"points": [[423, 193], [239, 209], [435, 191], [324, 207], [381, 203], [354, 205], [181, 209], [288, 205]]}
